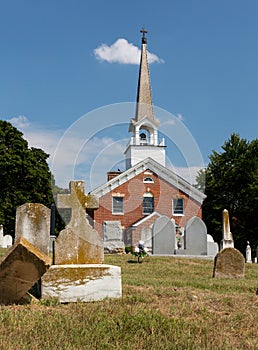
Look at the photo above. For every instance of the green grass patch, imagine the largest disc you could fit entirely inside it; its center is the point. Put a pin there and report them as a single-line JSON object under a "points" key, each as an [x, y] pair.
{"points": [[167, 303]]}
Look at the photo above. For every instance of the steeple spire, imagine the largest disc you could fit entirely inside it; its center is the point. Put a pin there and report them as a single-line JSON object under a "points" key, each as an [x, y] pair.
{"points": [[144, 98], [144, 140]]}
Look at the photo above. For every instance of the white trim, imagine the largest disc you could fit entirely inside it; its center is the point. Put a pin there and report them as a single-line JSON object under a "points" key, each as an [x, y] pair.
{"points": [[146, 218], [117, 212], [163, 172]]}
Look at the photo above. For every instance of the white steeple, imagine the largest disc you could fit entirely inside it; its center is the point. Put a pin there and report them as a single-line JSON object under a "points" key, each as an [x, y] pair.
{"points": [[144, 141]]}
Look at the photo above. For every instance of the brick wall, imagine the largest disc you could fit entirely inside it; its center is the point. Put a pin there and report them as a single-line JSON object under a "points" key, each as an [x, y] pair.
{"points": [[132, 192]]}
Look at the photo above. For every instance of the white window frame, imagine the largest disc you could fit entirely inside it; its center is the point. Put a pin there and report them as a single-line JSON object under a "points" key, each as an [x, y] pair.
{"points": [[182, 212], [147, 195], [116, 211], [148, 180]]}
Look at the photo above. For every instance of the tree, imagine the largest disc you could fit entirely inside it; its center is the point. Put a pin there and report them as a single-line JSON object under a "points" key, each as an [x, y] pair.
{"points": [[232, 184], [24, 175]]}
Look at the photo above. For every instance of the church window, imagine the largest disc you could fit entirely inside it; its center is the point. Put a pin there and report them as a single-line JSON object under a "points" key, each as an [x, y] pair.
{"points": [[148, 203], [148, 180], [178, 206], [118, 205]]}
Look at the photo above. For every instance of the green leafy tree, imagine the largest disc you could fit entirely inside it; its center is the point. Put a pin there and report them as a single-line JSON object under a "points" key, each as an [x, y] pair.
{"points": [[24, 175], [232, 184]]}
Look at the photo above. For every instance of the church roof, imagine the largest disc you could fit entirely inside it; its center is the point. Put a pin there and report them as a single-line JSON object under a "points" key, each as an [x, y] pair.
{"points": [[150, 164]]}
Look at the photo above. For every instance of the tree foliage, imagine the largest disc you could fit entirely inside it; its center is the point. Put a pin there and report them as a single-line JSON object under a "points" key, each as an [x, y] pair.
{"points": [[24, 175], [232, 184]]}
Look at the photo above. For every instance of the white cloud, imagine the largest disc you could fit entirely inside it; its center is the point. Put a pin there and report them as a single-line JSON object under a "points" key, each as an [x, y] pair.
{"points": [[89, 162], [20, 122], [123, 52]]}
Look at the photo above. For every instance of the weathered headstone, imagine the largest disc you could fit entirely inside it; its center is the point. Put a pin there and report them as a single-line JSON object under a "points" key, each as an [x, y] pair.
{"points": [[1, 235], [212, 247], [146, 237], [112, 233], [195, 237], [163, 236], [227, 237], [7, 241], [78, 243], [248, 253], [87, 282], [20, 269], [229, 263], [79, 273], [33, 223]]}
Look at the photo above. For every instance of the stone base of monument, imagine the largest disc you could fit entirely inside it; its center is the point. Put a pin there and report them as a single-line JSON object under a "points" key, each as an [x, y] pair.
{"points": [[114, 247], [84, 282]]}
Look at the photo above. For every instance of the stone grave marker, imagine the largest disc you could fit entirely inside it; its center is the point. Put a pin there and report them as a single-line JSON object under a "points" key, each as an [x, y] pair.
{"points": [[20, 269], [146, 237], [163, 236], [212, 247], [78, 243], [227, 237], [229, 263], [78, 273], [248, 253], [1, 235], [33, 223], [112, 233], [195, 237], [7, 241]]}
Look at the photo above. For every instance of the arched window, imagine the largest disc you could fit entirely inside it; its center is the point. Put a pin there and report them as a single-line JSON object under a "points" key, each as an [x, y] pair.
{"points": [[148, 180], [148, 203]]}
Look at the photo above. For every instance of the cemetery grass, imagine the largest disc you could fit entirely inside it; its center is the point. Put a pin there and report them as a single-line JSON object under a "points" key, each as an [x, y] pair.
{"points": [[167, 303]]}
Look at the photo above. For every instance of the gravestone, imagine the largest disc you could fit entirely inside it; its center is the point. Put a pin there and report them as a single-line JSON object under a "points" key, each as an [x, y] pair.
{"points": [[79, 253], [229, 263], [227, 237], [78, 243], [163, 236], [248, 253], [112, 233], [20, 269], [33, 223], [146, 237], [212, 247], [195, 237], [82, 282], [7, 241], [1, 235]]}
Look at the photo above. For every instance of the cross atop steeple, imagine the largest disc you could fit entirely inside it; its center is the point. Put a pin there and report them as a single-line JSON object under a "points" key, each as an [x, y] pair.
{"points": [[144, 39]]}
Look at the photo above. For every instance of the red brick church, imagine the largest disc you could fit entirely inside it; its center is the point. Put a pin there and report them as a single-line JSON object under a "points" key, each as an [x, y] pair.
{"points": [[147, 188]]}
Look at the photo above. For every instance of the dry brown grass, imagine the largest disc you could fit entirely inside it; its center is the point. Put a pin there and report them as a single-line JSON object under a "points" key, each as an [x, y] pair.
{"points": [[168, 303]]}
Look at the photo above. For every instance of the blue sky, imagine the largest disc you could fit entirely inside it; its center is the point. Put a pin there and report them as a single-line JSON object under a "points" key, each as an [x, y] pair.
{"points": [[205, 72]]}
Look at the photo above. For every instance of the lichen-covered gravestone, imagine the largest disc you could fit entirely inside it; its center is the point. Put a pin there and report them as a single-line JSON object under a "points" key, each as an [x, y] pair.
{"points": [[229, 263], [78, 243], [33, 223], [20, 269], [79, 253], [227, 237]]}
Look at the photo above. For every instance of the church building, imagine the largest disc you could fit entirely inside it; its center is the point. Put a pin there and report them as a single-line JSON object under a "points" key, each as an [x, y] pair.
{"points": [[147, 189]]}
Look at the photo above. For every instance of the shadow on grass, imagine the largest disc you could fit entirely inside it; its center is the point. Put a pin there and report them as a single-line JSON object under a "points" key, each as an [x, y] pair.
{"points": [[134, 262], [137, 262]]}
